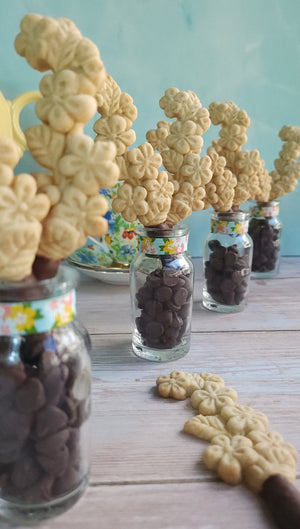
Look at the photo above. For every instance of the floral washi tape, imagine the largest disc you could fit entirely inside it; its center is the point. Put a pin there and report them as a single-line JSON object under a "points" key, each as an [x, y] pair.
{"points": [[265, 211], [37, 316], [229, 227], [163, 245]]}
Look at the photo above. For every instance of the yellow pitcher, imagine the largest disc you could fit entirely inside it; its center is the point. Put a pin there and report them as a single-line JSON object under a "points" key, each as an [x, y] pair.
{"points": [[9, 116]]}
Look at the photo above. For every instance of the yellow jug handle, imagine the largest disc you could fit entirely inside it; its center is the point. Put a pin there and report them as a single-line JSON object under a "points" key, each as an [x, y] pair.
{"points": [[16, 106]]}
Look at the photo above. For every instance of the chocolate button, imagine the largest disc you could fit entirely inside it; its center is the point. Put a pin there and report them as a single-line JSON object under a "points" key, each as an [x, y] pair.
{"points": [[180, 296], [49, 420], [52, 444], [30, 396], [55, 463], [154, 329], [25, 472], [163, 293]]}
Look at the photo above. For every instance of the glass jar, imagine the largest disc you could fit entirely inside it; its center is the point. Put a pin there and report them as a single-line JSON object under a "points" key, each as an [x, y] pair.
{"points": [[265, 231], [161, 287], [227, 260], [45, 383]]}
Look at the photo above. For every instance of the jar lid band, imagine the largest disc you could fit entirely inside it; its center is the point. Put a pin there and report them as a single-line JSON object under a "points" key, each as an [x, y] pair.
{"points": [[229, 227], [31, 317], [163, 245], [265, 211]]}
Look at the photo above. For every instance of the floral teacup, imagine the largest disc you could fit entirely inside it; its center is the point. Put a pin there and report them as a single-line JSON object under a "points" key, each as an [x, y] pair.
{"points": [[118, 245]]}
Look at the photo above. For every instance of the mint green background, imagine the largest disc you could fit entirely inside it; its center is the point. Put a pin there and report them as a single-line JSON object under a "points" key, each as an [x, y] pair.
{"points": [[246, 51]]}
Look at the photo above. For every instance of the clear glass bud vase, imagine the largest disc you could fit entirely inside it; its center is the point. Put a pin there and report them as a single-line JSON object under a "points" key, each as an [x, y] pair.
{"points": [[227, 260], [265, 231], [45, 382], [161, 286]]}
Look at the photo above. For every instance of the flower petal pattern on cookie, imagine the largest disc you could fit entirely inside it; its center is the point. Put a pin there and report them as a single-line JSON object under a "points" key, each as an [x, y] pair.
{"points": [[242, 419], [211, 399], [143, 162], [270, 442], [174, 385], [196, 170], [45, 144], [18, 248], [90, 165], [157, 137], [116, 129], [205, 427], [274, 462], [229, 457], [20, 201], [185, 137], [64, 105], [130, 202]]}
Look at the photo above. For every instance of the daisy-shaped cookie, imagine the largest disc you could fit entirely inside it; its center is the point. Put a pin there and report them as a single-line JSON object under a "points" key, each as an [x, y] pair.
{"points": [[64, 104], [142, 163], [157, 137], [117, 129], [130, 201], [185, 137], [89, 165], [229, 457], [211, 399], [174, 385], [268, 442], [242, 419]]}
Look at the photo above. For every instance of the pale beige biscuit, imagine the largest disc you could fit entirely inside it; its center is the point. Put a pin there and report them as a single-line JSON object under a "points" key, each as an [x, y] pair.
{"points": [[21, 203], [18, 248], [89, 165], [130, 201], [172, 161], [57, 44], [272, 462], [64, 105], [157, 137], [243, 419], [211, 399], [181, 206], [247, 188], [127, 109], [264, 179], [265, 443], [108, 99], [159, 196], [117, 129], [220, 191], [174, 385], [282, 184], [233, 137], [249, 162], [142, 163], [185, 137], [45, 144], [230, 457], [290, 151], [75, 217], [9, 152], [290, 133], [197, 171], [205, 426]]}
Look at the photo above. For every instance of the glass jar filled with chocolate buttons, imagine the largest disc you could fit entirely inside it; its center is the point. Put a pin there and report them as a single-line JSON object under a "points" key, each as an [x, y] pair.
{"points": [[227, 261], [161, 284], [44, 397]]}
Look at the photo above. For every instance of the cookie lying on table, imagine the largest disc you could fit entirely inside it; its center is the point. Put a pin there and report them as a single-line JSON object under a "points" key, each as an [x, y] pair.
{"points": [[241, 447]]}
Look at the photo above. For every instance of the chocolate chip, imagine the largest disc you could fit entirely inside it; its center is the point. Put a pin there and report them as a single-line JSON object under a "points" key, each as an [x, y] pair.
{"points": [[154, 329], [49, 420], [163, 293], [54, 463], [25, 472], [180, 296], [30, 396]]}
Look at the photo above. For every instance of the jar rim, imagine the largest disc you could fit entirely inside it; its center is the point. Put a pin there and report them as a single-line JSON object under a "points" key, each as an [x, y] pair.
{"points": [[230, 216], [178, 230], [65, 280]]}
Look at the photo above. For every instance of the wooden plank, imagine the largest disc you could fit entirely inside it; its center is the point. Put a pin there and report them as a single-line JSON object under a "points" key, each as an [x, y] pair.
{"points": [[137, 435], [169, 506]]}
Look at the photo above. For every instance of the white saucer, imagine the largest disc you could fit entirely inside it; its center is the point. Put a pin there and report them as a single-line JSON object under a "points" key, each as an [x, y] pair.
{"points": [[112, 276]]}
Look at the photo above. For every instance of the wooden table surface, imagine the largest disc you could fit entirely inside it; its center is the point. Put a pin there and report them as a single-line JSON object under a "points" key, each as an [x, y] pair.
{"points": [[146, 473]]}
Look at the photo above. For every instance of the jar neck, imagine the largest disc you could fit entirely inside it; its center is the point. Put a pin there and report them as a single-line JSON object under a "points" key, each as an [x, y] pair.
{"points": [[157, 241], [265, 209], [230, 223], [37, 306]]}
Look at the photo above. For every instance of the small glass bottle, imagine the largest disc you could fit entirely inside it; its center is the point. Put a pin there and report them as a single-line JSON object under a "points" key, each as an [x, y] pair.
{"points": [[227, 260], [45, 384], [265, 231], [161, 287]]}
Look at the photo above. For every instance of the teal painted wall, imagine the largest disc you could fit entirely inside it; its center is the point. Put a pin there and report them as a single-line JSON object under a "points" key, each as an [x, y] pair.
{"points": [[246, 51]]}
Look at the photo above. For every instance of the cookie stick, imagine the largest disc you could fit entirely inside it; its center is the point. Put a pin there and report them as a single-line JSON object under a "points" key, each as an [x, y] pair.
{"points": [[282, 500]]}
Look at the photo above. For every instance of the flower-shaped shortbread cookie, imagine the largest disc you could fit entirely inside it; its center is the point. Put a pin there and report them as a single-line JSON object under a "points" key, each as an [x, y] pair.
{"points": [[290, 133], [115, 128], [18, 248], [46, 184], [247, 188], [197, 171], [220, 190], [242, 419], [21, 203], [159, 194], [233, 137], [274, 461], [71, 221], [130, 201], [174, 385], [157, 137], [64, 104], [143, 163], [271, 442], [205, 427], [229, 457], [211, 399], [185, 137], [89, 165], [249, 162]]}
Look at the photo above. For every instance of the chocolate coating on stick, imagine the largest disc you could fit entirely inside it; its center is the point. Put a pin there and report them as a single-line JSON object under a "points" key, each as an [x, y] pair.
{"points": [[283, 501]]}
